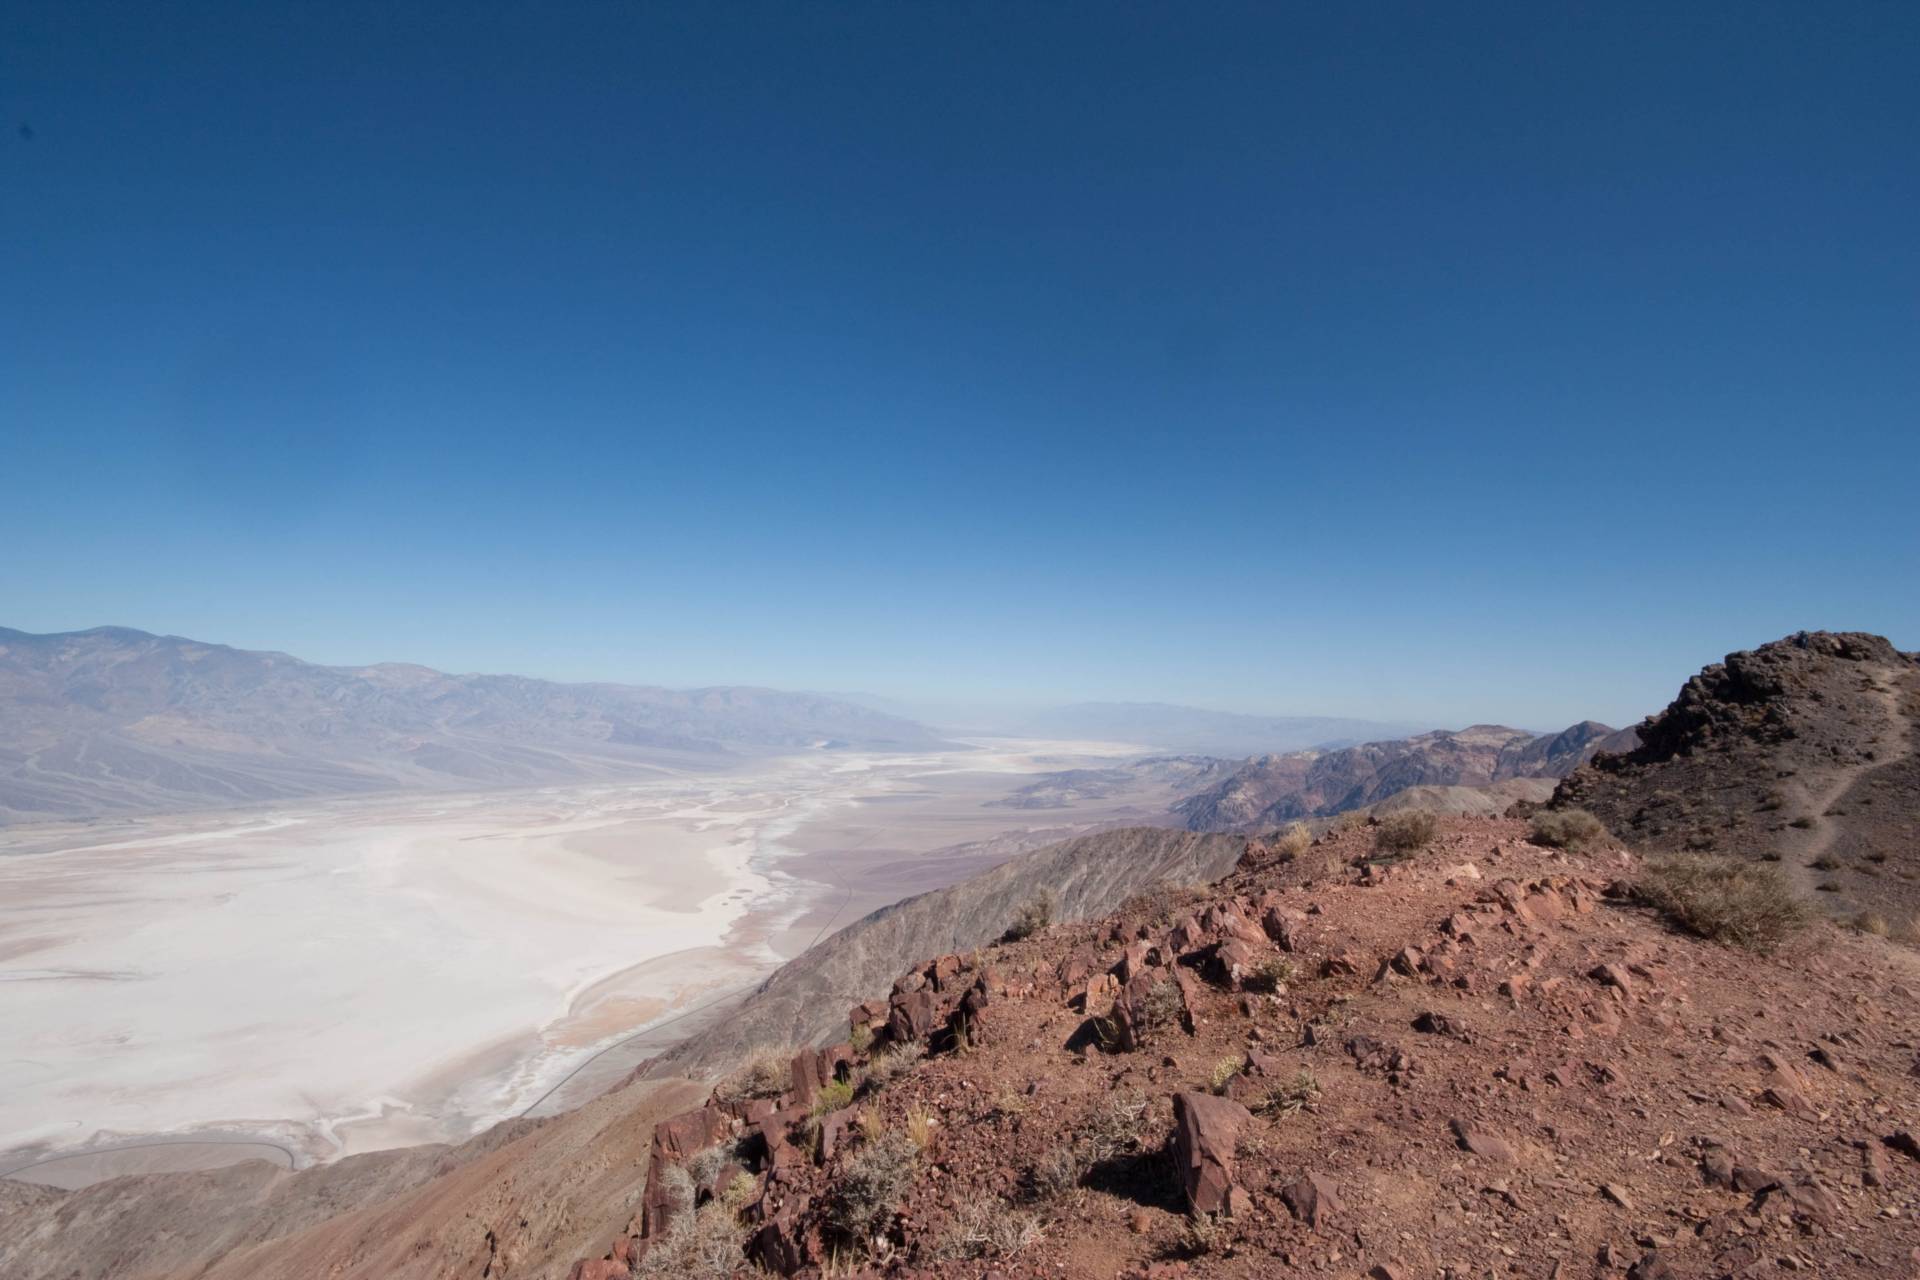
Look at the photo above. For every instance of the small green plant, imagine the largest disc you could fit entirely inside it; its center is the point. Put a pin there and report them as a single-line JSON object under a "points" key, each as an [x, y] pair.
{"points": [[1035, 914], [1405, 832], [833, 1095], [1273, 973], [1567, 829], [861, 1038], [1290, 1097], [1741, 904], [1224, 1071]]}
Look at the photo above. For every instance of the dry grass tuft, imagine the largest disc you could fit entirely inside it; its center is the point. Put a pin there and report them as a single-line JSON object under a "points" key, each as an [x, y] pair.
{"points": [[1741, 904], [987, 1229], [1294, 841], [767, 1074], [1567, 829]]}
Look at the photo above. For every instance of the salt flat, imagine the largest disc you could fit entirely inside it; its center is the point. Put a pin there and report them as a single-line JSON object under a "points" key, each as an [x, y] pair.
{"points": [[337, 977]]}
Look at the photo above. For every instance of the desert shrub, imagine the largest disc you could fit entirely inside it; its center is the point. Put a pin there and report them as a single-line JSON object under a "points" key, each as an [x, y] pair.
{"points": [[860, 1037], [1160, 1010], [704, 1166], [1825, 862], [1115, 1124], [1035, 914], [987, 1229], [1272, 974], [1801, 823], [1294, 841], [1405, 832], [706, 1244], [1567, 829], [1742, 904], [871, 1186], [1224, 1071], [1351, 820], [767, 1074], [894, 1063], [1290, 1096], [1872, 922]]}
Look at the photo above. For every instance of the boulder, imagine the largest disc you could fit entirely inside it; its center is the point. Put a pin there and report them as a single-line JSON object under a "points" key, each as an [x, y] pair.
{"points": [[1483, 1142], [1206, 1129]]}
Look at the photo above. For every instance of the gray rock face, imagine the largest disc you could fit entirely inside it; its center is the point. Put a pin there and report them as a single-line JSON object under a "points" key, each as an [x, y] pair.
{"points": [[806, 1000]]}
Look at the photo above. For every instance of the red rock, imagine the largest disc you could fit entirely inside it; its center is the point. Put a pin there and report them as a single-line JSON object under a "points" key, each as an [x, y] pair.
{"points": [[1206, 1130], [1904, 1142], [1283, 925], [1233, 961], [915, 1017], [1312, 1199], [599, 1269], [1612, 975], [1484, 1142]]}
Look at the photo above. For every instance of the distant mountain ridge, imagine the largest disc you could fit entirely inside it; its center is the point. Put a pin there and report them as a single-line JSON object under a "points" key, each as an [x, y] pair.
{"points": [[1275, 789], [1197, 731], [117, 721]]}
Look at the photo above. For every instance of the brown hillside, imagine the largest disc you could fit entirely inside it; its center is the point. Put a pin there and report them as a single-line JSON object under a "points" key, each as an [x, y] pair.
{"points": [[1481, 1060], [1800, 751]]}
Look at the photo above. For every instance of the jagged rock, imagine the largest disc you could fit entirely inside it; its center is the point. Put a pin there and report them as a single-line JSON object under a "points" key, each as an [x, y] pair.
{"points": [[1434, 1023], [1233, 960], [1483, 1142], [1283, 926], [1100, 993], [1311, 1199], [915, 1016], [784, 1245], [1206, 1130], [1612, 975]]}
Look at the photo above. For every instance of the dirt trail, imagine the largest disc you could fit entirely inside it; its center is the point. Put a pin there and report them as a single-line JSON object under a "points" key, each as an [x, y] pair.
{"points": [[1800, 848]]}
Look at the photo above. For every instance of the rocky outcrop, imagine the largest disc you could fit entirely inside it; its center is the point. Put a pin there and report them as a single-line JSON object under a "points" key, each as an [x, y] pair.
{"points": [[1804, 751], [803, 1002]]}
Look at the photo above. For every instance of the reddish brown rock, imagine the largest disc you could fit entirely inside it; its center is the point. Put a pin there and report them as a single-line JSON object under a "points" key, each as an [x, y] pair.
{"points": [[1312, 1199], [1206, 1130], [1483, 1142]]}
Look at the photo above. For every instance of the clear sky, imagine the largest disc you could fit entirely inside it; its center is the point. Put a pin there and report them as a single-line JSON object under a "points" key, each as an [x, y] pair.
{"points": [[1436, 361]]}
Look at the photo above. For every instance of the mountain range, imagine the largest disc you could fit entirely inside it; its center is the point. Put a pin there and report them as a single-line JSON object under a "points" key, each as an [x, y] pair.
{"points": [[1272, 790], [118, 721]]}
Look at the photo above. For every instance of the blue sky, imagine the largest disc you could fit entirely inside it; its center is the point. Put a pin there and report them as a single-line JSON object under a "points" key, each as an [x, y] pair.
{"points": [[1431, 361]]}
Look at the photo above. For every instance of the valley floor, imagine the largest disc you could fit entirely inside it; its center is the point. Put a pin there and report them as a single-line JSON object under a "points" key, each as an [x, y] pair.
{"points": [[306, 982]]}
